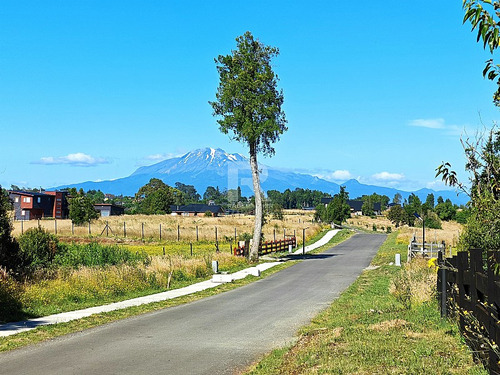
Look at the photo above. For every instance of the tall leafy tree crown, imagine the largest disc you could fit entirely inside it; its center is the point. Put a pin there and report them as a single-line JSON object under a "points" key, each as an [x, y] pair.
{"points": [[248, 100]]}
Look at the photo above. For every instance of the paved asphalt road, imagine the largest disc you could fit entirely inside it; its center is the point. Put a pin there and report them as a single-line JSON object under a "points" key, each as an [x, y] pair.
{"points": [[217, 335]]}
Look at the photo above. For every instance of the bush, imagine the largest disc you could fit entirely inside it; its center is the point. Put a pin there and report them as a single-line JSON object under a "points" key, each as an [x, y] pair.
{"points": [[208, 213], [10, 307], [374, 227], [389, 229], [37, 248]]}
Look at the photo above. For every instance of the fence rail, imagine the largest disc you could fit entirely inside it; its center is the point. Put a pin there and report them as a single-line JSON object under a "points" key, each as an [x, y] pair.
{"points": [[427, 249], [469, 288], [269, 247]]}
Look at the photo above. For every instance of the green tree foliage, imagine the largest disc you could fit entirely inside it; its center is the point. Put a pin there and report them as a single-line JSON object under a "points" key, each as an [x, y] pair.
{"points": [[463, 215], [367, 207], [9, 255], [337, 210], [414, 205], [484, 16], [96, 196], [482, 229], [296, 199], [214, 194], [397, 215], [397, 198], [431, 220], [249, 106], [81, 209], [429, 202], [189, 192], [446, 210], [277, 211], [155, 198]]}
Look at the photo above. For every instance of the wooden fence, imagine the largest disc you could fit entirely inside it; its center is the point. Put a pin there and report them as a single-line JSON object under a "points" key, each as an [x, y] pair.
{"points": [[469, 288], [269, 247]]}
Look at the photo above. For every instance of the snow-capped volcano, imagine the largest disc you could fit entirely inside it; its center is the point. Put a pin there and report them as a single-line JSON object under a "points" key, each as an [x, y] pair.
{"points": [[197, 161]]}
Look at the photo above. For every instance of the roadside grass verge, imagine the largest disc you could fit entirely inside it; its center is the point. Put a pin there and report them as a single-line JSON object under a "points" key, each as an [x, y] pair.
{"points": [[48, 332], [368, 330], [66, 289]]}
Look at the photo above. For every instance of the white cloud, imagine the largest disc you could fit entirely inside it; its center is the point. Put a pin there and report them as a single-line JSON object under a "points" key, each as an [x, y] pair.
{"points": [[78, 159], [387, 176], [338, 175], [432, 123]]}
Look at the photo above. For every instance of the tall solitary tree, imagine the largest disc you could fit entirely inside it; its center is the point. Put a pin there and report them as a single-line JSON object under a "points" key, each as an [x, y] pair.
{"points": [[248, 103]]}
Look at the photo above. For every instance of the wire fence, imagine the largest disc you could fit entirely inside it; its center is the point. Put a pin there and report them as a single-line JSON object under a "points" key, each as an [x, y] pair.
{"points": [[144, 230]]}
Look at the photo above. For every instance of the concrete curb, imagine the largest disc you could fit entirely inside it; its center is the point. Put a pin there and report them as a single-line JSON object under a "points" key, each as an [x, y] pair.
{"points": [[23, 326]]}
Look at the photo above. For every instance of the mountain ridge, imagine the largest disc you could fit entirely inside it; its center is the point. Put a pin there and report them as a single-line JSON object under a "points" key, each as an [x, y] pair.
{"points": [[215, 167]]}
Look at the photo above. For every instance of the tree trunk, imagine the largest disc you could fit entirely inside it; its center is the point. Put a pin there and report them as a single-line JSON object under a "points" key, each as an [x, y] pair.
{"points": [[254, 250]]}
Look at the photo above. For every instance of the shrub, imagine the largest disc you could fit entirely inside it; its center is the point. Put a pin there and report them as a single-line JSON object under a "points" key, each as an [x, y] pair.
{"points": [[208, 213], [374, 227], [389, 229], [10, 307], [37, 248]]}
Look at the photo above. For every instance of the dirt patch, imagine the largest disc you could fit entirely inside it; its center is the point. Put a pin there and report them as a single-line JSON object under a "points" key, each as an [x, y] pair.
{"points": [[388, 325]]}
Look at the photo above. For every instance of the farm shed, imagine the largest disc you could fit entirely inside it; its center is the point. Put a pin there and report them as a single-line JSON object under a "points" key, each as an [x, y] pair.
{"points": [[108, 209]]}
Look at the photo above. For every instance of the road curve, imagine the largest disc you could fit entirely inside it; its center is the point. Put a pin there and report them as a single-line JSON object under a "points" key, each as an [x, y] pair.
{"points": [[216, 335]]}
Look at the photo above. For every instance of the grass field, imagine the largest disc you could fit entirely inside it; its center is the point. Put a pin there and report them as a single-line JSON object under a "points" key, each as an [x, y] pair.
{"points": [[128, 228], [369, 330]]}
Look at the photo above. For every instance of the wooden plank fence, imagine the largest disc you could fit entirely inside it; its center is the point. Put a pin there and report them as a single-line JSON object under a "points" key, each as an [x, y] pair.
{"points": [[469, 289], [269, 247]]}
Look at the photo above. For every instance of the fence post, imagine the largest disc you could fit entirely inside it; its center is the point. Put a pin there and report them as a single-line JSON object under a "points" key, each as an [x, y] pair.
{"points": [[89, 228], [142, 231], [107, 229], [197, 233], [274, 234], [55, 226], [124, 230], [160, 231], [178, 232], [284, 233], [303, 241], [72, 227], [235, 233], [163, 250], [191, 246], [442, 281]]}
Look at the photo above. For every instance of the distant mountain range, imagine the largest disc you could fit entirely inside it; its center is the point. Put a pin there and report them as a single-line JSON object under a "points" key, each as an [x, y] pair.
{"points": [[215, 167]]}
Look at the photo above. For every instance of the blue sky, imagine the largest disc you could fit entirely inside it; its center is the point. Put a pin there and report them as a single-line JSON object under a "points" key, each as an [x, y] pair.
{"points": [[91, 90]]}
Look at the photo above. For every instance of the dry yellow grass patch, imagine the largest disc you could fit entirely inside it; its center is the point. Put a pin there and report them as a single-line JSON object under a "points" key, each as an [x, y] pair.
{"points": [[186, 227], [449, 233], [388, 325]]}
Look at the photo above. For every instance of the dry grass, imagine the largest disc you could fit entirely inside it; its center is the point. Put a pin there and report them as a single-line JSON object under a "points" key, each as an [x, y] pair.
{"points": [[450, 232], [171, 226]]}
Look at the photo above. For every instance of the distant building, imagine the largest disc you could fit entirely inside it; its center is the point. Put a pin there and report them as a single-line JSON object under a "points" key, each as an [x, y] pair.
{"points": [[356, 206], [31, 206], [196, 209], [108, 209]]}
